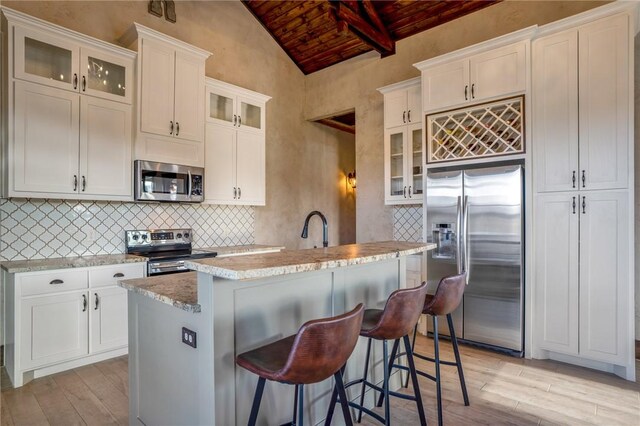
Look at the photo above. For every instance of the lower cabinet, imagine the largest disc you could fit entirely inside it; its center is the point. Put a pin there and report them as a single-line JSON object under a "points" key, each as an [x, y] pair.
{"points": [[582, 274], [62, 319]]}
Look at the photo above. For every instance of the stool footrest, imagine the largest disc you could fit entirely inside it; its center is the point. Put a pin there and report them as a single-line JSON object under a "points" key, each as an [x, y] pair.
{"points": [[428, 376], [426, 358], [376, 416]]}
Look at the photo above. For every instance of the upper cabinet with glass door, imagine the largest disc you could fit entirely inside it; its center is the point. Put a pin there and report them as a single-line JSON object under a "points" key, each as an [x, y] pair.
{"points": [[235, 107], [61, 60]]}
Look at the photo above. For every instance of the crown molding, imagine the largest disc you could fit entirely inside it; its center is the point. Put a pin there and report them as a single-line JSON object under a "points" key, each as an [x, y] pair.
{"points": [[416, 81]]}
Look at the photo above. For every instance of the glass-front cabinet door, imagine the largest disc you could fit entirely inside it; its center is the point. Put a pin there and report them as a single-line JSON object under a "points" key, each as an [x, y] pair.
{"points": [[396, 186], [416, 167], [221, 107], [250, 114], [106, 76], [46, 59]]}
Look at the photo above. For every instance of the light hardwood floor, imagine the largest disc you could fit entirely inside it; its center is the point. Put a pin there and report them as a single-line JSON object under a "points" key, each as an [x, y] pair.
{"points": [[502, 390]]}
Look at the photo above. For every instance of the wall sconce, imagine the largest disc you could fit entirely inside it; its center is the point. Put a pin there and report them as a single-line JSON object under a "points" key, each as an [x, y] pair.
{"points": [[351, 178]]}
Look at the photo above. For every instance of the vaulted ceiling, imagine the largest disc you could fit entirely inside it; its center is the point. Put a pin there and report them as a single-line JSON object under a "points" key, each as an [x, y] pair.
{"points": [[319, 33]]}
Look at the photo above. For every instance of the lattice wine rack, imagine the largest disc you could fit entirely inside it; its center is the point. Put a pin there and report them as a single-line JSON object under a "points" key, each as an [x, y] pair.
{"points": [[480, 131]]}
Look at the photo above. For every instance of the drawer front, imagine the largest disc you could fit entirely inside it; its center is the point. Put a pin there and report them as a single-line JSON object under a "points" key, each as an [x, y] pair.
{"points": [[105, 276], [52, 281]]}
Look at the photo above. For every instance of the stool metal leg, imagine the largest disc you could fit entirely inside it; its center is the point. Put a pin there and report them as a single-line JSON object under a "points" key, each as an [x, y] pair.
{"points": [[394, 351], [366, 370], [256, 401], [414, 381], [344, 402], [413, 345], [456, 352], [387, 408], [300, 405], [437, 362], [295, 405]]}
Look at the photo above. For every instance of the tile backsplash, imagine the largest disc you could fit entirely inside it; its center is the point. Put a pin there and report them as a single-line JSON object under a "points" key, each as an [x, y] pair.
{"points": [[407, 223], [37, 228]]}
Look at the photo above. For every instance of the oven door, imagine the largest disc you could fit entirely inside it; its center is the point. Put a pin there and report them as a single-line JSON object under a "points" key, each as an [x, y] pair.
{"points": [[168, 182]]}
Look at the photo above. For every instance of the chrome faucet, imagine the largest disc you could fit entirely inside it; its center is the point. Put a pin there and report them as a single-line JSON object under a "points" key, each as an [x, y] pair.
{"points": [[325, 227]]}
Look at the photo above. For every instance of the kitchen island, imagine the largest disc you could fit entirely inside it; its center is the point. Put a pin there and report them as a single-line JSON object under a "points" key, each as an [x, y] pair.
{"points": [[246, 302]]}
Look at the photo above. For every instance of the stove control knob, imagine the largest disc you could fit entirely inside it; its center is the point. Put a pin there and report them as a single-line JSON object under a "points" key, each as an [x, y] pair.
{"points": [[179, 235], [186, 235], [144, 236], [135, 238]]}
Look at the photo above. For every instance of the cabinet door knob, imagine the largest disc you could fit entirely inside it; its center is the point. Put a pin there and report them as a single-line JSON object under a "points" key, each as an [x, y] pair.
{"points": [[84, 303], [118, 275], [97, 302], [177, 128], [75, 182], [56, 282], [171, 127], [84, 83]]}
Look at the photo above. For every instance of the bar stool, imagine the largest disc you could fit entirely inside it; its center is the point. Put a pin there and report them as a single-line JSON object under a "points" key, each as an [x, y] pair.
{"points": [[394, 322], [319, 350], [446, 300]]}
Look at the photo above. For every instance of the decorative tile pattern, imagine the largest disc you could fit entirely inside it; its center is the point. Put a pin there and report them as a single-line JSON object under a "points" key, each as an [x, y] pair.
{"points": [[407, 223], [38, 228]]}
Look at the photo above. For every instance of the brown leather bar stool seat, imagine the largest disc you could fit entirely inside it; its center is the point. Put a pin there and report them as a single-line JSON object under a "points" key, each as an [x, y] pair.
{"points": [[394, 322], [318, 351], [446, 300]]}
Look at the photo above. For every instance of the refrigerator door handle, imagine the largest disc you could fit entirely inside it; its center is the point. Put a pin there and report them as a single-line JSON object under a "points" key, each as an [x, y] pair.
{"points": [[459, 230], [465, 239]]}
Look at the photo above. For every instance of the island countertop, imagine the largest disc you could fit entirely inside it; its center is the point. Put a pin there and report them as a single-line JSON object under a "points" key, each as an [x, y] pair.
{"points": [[294, 261]]}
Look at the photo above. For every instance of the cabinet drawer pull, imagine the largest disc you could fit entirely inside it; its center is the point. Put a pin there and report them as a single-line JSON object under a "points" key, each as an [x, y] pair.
{"points": [[573, 179], [84, 83], [75, 81], [404, 114], [171, 127], [235, 120], [239, 121], [409, 116], [466, 90], [239, 193], [574, 205], [235, 193], [404, 192], [584, 204], [84, 183], [409, 191], [584, 179], [97, 303], [56, 282], [75, 182], [118, 275], [177, 128], [473, 94], [84, 303]]}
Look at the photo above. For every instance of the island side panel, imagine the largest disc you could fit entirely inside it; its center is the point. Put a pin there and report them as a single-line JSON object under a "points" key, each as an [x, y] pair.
{"points": [[170, 382], [252, 313]]}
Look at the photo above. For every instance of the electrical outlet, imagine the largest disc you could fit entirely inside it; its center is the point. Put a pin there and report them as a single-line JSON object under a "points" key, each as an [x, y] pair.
{"points": [[189, 337]]}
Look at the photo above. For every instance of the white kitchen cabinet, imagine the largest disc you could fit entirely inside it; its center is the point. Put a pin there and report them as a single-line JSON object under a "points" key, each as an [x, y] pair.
{"points": [[108, 319], [582, 274], [171, 85], [46, 140], [57, 328], [403, 165], [581, 107], [403, 144], [495, 73], [61, 319], [69, 115], [235, 145], [105, 148]]}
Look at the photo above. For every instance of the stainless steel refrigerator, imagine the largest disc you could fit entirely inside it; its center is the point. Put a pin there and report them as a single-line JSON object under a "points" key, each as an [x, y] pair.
{"points": [[475, 216]]}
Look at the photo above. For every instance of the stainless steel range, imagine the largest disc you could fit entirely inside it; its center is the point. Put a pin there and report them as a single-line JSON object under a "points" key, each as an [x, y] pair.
{"points": [[166, 249]]}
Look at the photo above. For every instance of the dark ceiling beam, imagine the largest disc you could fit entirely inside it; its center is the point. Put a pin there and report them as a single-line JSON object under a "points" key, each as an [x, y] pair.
{"points": [[359, 22]]}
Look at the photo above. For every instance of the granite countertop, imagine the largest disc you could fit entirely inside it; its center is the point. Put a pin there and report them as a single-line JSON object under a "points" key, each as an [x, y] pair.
{"points": [[294, 261], [179, 290], [245, 249], [16, 266]]}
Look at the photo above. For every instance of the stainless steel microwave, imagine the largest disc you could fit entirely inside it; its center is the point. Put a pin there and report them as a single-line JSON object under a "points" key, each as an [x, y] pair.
{"points": [[168, 182]]}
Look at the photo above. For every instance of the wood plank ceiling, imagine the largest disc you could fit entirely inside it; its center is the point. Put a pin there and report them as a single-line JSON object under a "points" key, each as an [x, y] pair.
{"points": [[319, 33]]}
